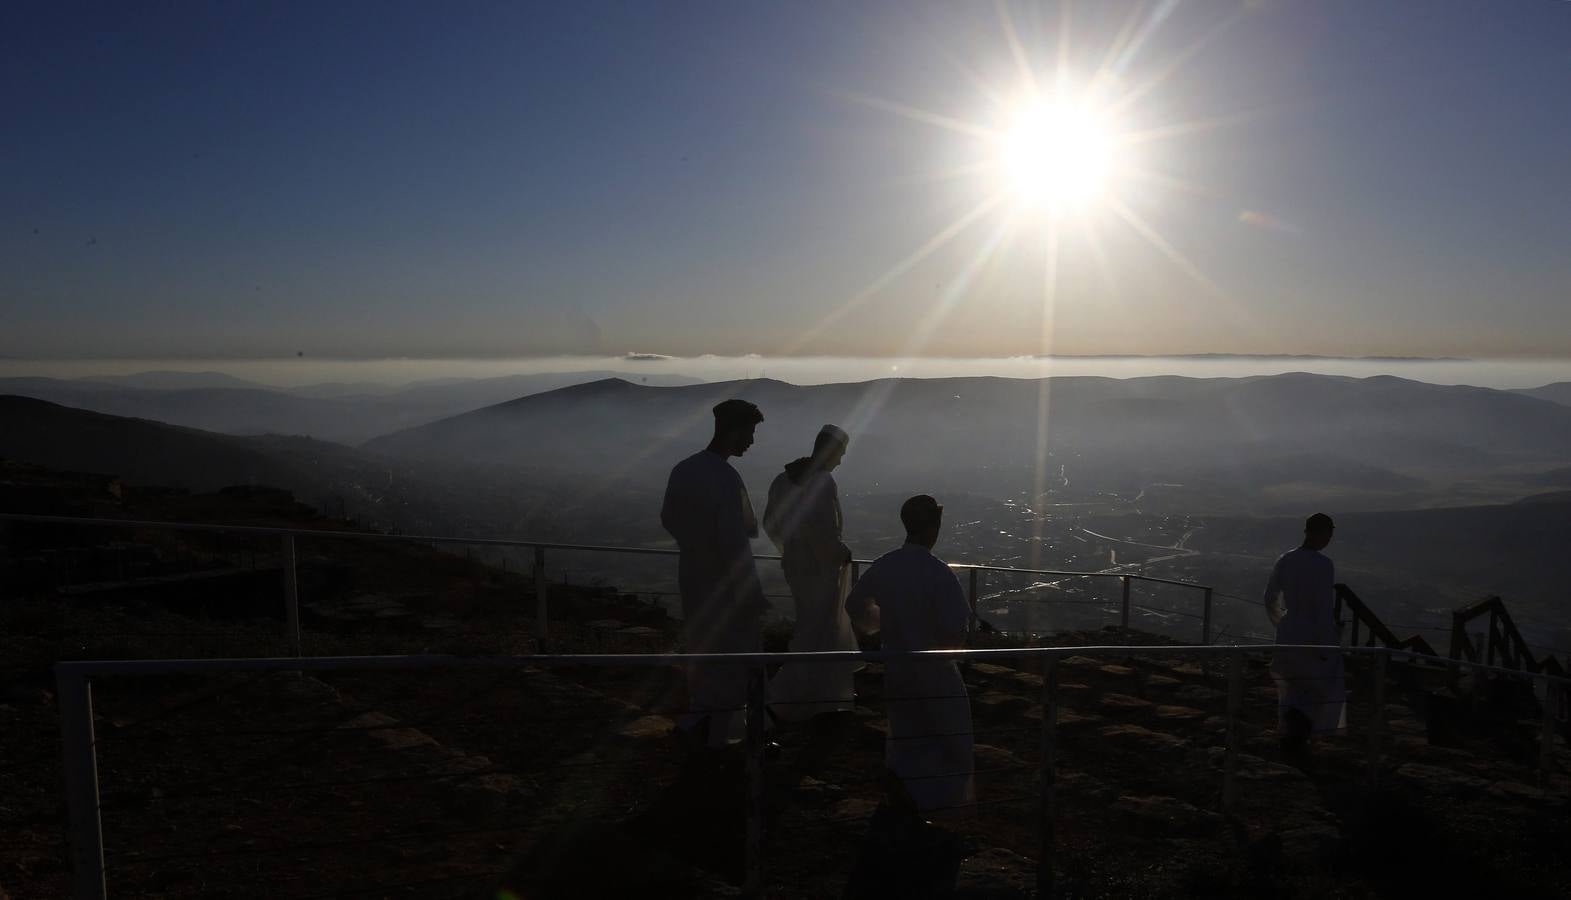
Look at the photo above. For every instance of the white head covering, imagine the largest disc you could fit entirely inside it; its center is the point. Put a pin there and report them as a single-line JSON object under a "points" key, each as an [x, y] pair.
{"points": [[836, 433]]}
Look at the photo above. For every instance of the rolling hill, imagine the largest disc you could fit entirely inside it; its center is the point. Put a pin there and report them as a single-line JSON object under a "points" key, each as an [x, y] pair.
{"points": [[154, 453], [340, 413], [1376, 442], [1559, 392], [443, 497], [170, 381]]}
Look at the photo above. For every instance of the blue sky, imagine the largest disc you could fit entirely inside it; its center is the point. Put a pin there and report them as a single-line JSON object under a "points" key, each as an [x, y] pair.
{"points": [[261, 179]]}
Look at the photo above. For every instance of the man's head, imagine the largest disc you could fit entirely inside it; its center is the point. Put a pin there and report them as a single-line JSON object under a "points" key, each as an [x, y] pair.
{"points": [[922, 517], [734, 423], [1317, 531], [830, 447]]}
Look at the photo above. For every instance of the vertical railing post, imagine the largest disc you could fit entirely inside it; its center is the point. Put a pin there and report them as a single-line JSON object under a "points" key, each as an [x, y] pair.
{"points": [[1044, 863], [86, 830], [1123, 616], [1546, 746], [291, 596], [753, 880], [1205, 620], [1377, 717], [1489, 654], [542, 620], [1235, 698], [971, 598]]}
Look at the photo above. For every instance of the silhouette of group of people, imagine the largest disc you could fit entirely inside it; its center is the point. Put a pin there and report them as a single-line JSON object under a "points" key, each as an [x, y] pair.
{"points": [[913, 600], [908, 595]]}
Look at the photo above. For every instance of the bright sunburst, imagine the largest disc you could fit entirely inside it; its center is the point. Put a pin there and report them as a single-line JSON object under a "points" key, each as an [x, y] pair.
{"points": [[1072, 158], [1058, 153]]}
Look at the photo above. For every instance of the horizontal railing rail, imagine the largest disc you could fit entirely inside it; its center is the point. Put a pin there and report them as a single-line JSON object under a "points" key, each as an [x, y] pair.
{"points": [[291, 591], [85, 803], [92, 667]]}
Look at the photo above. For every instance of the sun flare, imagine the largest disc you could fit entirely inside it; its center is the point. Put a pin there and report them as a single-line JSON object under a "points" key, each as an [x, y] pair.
{"points": [[1068, 156], [1058, 154]]}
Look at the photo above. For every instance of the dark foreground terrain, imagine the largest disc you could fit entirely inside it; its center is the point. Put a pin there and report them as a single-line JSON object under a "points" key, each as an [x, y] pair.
{"points": [[535, 782]]}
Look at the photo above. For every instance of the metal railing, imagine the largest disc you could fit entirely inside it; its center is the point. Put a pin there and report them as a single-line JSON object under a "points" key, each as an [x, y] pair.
{"points": [[86, 834], [1502, 639], [288, 554], [1376, 629]]}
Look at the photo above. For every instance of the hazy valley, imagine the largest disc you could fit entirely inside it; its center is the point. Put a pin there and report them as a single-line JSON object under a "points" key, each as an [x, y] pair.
{"points": [[1199, 479]]}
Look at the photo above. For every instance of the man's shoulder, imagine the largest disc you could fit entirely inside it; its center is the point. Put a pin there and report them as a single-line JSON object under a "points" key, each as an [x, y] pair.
{"points": [[940, 568], [699, 463], [891, 559], [818, 485], [916, 558], [1303, 556]]}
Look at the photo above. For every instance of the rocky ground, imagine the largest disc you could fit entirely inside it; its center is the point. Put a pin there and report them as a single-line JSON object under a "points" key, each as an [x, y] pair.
{"points": [[565, 782]]}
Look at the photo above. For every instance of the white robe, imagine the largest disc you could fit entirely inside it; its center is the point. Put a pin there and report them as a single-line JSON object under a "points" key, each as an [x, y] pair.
{"points": [[921, 606], [1299, 598], [707, 510], [803, 519]]}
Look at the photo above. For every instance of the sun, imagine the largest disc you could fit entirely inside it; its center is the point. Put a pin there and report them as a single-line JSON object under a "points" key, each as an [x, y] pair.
{"points": [[1057, 153], [1067, 156]]}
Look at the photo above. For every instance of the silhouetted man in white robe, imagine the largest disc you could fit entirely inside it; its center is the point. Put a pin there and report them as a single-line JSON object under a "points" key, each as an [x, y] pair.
{"points": [[707, 510], [803, 519], [1299, 598], [916, 601]]}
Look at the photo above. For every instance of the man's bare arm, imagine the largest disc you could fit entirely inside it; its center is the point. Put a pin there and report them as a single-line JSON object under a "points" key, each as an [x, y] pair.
{"points": [[862, 605]]}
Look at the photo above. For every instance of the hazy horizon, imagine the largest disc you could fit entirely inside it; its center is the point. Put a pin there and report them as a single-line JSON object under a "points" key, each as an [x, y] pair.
{"points": [[296, 372]]}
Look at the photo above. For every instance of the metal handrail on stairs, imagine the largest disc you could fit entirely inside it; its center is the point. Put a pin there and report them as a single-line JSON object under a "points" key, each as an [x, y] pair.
{"points": [[1503, 642], [1377, 630]]}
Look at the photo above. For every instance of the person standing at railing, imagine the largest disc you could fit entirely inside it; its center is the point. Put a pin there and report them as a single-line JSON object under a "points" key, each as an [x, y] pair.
{"points": [[707, 510], [1299, 598], [915, 600], [804, 521]]}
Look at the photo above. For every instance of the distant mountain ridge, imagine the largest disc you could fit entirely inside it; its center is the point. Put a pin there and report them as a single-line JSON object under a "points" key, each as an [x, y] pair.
{"points": [[1559, 392], [449, 498], [981, 434], [340, 413], [1165, 444], [172, 381], [155, 453]]}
